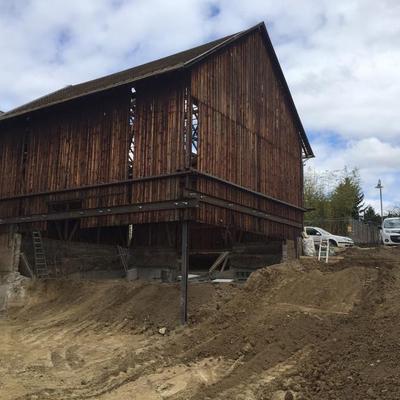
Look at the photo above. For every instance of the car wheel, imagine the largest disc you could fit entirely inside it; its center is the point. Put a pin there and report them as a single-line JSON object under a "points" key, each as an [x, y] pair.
{"points": [[333, 243]]}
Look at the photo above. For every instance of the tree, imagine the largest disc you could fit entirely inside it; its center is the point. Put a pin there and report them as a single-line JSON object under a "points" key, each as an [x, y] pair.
{"points": [[316, 198], [371, 216], [347, 199], [334, 197]]}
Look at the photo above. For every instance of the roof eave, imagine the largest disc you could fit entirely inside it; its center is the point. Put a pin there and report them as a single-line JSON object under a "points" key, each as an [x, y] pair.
{"points": [[176, 67]]}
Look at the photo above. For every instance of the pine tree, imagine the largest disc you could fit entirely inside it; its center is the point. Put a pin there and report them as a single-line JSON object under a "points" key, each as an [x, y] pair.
{"points": [[347, 199], [371, 216]]}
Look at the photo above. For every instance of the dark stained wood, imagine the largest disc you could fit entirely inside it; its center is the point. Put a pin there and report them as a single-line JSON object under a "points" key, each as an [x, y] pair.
{"points": [[246, 121]]}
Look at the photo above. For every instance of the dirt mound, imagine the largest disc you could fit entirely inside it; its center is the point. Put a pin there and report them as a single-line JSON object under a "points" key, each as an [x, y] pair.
{"points": [[297, 330], [361, 359], [290, 284], [122, 306]]}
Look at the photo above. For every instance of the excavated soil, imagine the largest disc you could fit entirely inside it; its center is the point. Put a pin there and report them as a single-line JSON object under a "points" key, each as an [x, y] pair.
{"points": [[293, 331]]}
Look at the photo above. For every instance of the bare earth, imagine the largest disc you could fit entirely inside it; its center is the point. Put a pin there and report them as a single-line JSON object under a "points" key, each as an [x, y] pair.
{"points": [[304, 331]]}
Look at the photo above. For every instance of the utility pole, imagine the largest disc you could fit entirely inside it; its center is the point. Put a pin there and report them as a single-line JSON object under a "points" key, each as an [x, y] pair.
{"points": [[380, 187]]}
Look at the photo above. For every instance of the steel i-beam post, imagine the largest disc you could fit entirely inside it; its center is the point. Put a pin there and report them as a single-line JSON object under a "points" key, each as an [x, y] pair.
{"points": [[184, 271]]}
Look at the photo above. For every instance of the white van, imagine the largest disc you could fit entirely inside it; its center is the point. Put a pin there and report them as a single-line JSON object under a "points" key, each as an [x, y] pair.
{"points": [[390, 231]]}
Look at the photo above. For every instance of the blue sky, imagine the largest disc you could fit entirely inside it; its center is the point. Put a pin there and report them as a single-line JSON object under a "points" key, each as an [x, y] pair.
{"points": [[340, 59]]}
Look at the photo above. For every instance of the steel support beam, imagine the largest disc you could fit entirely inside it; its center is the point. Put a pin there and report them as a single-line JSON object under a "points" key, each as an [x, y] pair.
{"points": [[97, 186], [191, 172], [215, 201], [245, 189], [184, 271], [103, 211]]}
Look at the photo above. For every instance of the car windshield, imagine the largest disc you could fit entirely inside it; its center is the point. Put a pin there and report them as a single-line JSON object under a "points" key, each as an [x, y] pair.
{"points": [[392, 223]]}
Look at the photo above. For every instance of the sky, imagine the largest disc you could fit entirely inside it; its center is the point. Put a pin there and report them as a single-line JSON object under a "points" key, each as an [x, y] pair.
{"points": [[340, 58]]}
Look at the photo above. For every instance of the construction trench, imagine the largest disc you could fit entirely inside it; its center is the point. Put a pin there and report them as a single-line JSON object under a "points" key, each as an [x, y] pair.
{"points": [[296, 330]]}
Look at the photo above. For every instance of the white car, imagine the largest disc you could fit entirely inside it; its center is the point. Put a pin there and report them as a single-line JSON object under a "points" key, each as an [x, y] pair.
{"points": [[390, 231], [318, 233]]}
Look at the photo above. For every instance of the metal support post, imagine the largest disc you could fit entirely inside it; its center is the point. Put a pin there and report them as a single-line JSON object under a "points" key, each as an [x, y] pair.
{"points": [[184, 271]]}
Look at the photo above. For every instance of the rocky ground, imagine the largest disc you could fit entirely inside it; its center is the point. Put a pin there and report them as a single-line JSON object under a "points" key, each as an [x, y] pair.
{"points": [[294, 331]]}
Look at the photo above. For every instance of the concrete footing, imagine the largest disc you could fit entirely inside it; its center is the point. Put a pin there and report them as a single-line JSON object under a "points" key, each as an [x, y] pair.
{"points": [[10, 247], [289, 250]]}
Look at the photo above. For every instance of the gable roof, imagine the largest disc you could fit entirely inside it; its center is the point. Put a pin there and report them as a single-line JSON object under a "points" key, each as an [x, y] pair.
{"points": [[171, 63]]}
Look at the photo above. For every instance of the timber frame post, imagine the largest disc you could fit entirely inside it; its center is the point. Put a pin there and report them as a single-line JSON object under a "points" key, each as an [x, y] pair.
{"points": [[184, 271]]}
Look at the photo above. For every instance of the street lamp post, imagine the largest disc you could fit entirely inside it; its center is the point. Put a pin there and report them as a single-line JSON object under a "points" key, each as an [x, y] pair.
{"points": [[380, 187]]}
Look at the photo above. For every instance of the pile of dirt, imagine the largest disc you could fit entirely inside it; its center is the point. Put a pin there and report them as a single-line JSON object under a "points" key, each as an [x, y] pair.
{"points": [[297, 330], [122, 306], [361, 359]]}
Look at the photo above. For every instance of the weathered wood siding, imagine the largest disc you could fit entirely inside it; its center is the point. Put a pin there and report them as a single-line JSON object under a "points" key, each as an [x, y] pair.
{"points": [[159, 150], [248, 134], [87, 143], [70, 146], [77, 145]]}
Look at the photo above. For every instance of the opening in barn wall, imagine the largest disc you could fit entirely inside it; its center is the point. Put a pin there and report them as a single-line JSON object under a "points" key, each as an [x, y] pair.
{"points": [[195, 131], [132, 126]]}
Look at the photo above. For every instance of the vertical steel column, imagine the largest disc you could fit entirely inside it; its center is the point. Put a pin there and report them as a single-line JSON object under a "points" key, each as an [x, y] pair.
{"points": [[184, 271]]}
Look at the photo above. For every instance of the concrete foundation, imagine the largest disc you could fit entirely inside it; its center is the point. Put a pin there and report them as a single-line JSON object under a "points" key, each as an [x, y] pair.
{"points": [[10, 247], [160, 264], [3, 298], [289, 250]]}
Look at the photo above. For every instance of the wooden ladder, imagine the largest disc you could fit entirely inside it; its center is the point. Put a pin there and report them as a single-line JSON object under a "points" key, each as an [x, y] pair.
{"points": [[222, 259], [323, 251], [41, 269], [123, 254]]}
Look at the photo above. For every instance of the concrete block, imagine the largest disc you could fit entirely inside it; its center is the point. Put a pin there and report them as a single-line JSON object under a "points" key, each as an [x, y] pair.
{"points": [[3, 298], [288, 250], [132, 274], [10, 247]]}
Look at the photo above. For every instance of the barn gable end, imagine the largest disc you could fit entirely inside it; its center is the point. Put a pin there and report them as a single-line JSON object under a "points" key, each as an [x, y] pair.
{"points": [[245, 118]]}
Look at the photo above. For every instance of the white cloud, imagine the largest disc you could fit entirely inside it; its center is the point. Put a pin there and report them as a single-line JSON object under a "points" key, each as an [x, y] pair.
{"points": [[340, 59]]}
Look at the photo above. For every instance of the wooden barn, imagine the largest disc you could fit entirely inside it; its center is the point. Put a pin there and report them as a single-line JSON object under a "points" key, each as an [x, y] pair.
{"points": [[200, 150]]}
